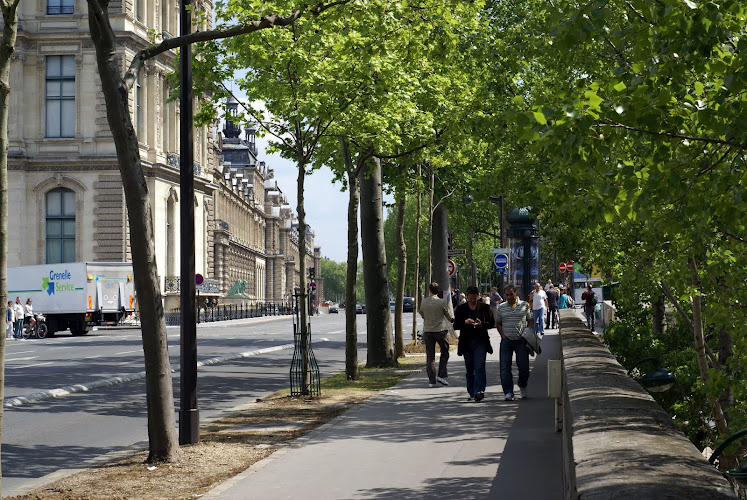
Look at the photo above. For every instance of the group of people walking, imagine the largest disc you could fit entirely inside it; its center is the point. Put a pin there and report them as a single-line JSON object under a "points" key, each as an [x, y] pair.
{"points": [[473, 319], [16, 316]]}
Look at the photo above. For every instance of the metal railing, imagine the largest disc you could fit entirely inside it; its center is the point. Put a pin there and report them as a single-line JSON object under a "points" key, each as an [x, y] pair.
{"points": [[228, 312]]}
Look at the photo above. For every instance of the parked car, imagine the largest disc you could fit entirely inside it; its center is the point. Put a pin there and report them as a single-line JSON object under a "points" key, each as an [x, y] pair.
{"points": [[333, 309], [392, 305], [360, 309], [408, 304]]}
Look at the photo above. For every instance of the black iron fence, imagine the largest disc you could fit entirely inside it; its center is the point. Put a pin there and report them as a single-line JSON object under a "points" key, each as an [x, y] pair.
{"points": [[228, 312]]}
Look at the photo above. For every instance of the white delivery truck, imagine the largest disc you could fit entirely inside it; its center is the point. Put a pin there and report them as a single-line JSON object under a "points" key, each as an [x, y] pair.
{"points": [[75, 295]]}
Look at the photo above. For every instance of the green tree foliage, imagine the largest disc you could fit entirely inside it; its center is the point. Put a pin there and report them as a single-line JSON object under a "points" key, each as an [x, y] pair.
{"points": [[335, 280], [638, 113]]}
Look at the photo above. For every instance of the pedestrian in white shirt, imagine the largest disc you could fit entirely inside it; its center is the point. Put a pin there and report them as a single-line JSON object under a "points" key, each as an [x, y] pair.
{"points": [[19, 310], [539, 306]]}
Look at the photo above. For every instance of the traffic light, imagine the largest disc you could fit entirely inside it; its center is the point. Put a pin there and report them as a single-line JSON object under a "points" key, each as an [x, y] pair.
{"points": [[312, 274], [449, 240]]}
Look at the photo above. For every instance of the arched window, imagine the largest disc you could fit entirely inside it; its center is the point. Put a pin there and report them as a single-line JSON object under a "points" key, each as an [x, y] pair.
{"points": [[60, 226]]}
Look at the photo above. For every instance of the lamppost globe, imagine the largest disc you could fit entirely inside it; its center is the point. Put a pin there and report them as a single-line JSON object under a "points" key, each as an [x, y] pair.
{"points": [[738, 473], [658, 380]]}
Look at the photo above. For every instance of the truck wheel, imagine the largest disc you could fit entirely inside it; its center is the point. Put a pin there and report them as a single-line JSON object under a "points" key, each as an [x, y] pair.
{"points": [[41, 330], [79, 328]]}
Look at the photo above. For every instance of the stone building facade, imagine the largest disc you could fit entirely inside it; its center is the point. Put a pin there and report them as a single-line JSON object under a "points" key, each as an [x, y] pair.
{"points": [[66, 201], [256, 235], [66, 198]]}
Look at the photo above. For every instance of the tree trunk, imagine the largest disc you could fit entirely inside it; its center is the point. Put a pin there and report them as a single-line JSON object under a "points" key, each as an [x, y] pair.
{"points": [[351, 327], [10, 26], [659, 317], [303, 304], [700, 352], [162, 435], [378, 318], [416, 267], [725, 354], [471, 260], [431, 208], [439, 255], [439, 249], [401, 273]]}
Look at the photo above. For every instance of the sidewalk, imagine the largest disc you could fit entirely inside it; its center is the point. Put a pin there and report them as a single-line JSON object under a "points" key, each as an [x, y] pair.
{"points": [[413, 441]]}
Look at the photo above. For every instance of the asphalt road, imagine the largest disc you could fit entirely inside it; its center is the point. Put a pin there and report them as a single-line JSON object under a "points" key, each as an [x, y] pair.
{"points": [[54, 436]]}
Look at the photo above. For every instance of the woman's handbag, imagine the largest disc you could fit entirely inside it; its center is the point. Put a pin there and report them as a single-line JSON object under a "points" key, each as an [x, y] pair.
{"points": [[533, 341]]}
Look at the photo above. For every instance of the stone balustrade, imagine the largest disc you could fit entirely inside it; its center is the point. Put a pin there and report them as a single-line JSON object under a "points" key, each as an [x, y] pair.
{"points": [[618, 442]]}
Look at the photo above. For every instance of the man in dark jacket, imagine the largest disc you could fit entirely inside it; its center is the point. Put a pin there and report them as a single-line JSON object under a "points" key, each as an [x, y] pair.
{"points": [[552, 307], [591, 303], [473, 319]]}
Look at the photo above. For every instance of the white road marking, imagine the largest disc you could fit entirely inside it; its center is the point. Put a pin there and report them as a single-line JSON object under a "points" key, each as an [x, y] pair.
{"points": [[30, 366], [21, 359]]}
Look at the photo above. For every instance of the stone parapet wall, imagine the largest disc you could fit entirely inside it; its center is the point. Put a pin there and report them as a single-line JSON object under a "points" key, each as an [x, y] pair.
{"points": [[618, 442]]}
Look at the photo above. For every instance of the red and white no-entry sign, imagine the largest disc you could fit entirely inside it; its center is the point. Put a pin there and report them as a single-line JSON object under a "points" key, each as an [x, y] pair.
{"points": [[569, 265], [451, 267], [562, 267]]}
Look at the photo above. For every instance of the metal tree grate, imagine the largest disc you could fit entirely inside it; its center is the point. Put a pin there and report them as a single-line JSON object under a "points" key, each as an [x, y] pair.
{"points": [[304, 371]]}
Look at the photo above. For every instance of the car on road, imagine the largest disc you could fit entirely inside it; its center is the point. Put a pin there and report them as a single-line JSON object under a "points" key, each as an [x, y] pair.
{"points": [[408, 304], [333, 309], [360, 309], [392, 305]]}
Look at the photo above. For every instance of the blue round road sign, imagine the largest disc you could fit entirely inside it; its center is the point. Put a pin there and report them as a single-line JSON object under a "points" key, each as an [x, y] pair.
{"points": [[500, 260], [199, 279]]}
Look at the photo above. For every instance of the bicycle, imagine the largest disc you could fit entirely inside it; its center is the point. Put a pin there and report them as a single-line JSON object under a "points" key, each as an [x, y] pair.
{"points": [[39, 330]]}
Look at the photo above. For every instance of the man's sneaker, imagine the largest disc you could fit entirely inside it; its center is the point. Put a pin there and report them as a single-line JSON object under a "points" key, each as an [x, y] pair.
{"points": [[479, 396], [509, 396], [523, 392], [442, 381], [431, 385]]}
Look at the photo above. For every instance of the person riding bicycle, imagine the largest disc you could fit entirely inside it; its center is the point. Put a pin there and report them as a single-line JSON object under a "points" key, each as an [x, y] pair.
{"points": [[28, 315]]}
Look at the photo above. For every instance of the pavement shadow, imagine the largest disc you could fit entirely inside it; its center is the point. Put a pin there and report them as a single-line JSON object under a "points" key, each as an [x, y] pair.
{"points": [[533, 449], [17, 464], [463, 488]]}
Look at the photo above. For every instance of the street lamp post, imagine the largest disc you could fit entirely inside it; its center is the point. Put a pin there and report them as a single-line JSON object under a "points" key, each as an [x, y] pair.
{"points": [[189, 416], [658, 380], [499, 200], [738, 473]]}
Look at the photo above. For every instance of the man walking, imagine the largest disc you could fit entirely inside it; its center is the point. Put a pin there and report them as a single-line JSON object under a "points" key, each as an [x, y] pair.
{"points": [[19, 310], [513, 316], [552, 307], [495, 299], [473, 319], [590, 305], [10, 321], [435, 313], [539, 306]]}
